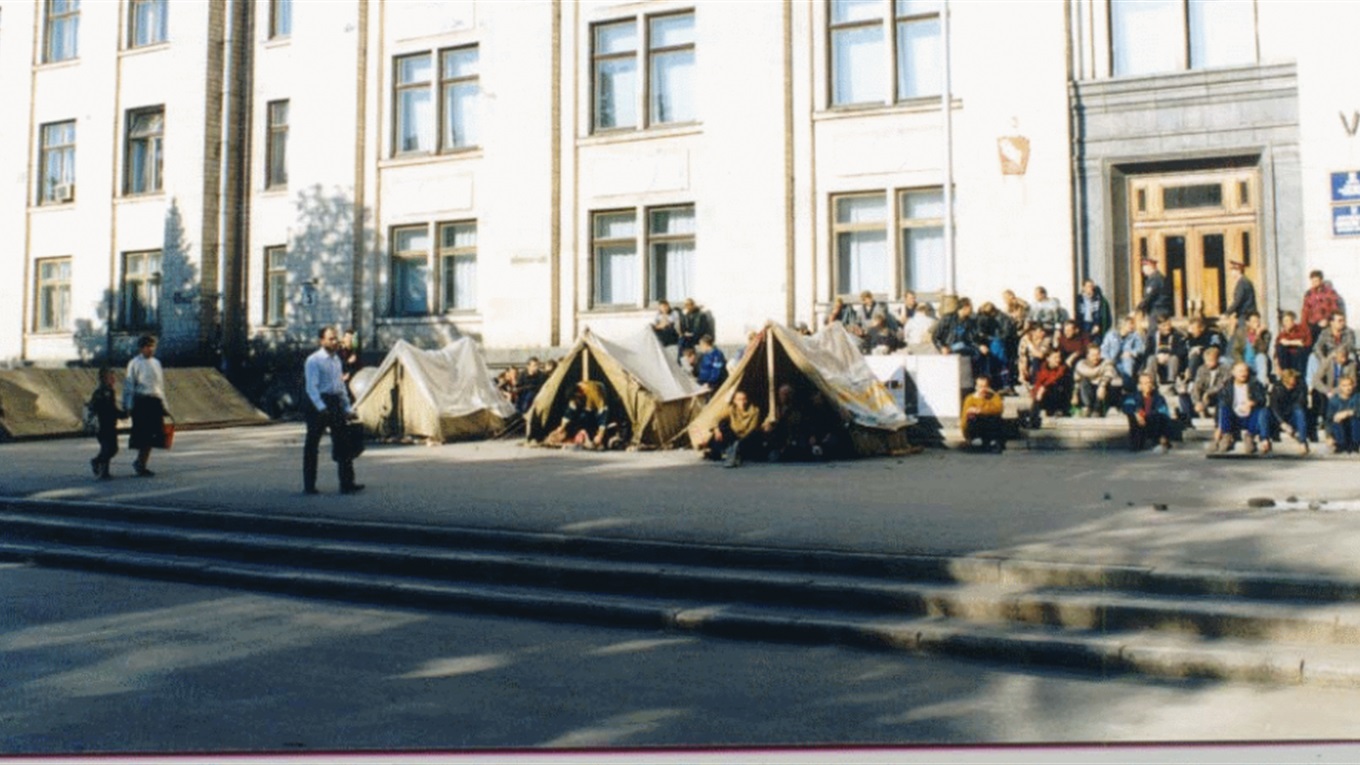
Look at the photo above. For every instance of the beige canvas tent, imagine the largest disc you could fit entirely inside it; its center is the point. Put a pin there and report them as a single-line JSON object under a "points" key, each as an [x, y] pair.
{"points": [[36, 403], [443, 395], [829, 362], [640, 377]]}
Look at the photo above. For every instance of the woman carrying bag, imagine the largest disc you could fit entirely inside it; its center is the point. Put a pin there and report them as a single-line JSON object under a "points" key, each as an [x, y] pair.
{"points": [[144, 398]]}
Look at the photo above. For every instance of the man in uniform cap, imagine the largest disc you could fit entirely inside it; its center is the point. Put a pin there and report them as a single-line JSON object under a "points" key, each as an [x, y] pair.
{"points": [[1156, 292], [1244, 294]]}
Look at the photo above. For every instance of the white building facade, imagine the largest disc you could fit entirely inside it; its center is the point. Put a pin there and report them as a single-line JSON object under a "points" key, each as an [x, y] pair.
{"points": [[232, 175]]}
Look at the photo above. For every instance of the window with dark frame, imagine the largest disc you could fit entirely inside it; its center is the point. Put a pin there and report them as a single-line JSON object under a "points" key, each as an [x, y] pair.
{"points": [[921, 221], [859, 228], [671, 253], [614, 250], [52, 299], [148, 22], [275, 285], [459, 88], [411, 270], [276, 149], [57, 163], [145, 150], [458, 266], [62, 31], [884, 49], [414, 104], [665, 93], [141, 298], [280, 19]]}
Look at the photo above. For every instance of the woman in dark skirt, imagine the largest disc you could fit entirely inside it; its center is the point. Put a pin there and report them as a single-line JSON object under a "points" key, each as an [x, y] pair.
{"points": [[144, 397]]}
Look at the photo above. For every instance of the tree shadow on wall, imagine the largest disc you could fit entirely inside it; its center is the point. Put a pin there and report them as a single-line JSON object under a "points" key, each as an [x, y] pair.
{"points": [[160, 295]]}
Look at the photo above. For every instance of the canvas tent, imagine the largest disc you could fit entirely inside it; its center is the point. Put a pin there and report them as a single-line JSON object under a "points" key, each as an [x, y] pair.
{"points": [[37, 403], [829, 362], [443, 395], [639, 375]]}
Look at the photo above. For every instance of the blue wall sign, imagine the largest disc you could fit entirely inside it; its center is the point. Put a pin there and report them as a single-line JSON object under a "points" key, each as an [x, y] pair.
{"points": [[1346, 186], [1346, 220]]}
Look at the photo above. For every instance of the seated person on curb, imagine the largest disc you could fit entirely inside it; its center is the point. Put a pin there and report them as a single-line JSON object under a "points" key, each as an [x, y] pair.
{"points": [[738, 435], [880, 338], [1324, 345], [1254, 339], [917, 331], [1149, 417], [1165, 352], [712, 370], [1294, 344], [995, 331], [586, 422], [1124, 346], [982, 425], [529, 383], [1241, 405], [1034, 347], [1073, 343], [1200, 338], [1202, 396], [1052, 391], [840, 313], [1330, 373], [1343, 426], [1287, 412], [666, 324], [957, 333], [1094, 376]]}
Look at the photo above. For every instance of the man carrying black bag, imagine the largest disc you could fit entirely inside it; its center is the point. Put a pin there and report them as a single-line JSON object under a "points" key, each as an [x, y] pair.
{"points": [[327, 407]]}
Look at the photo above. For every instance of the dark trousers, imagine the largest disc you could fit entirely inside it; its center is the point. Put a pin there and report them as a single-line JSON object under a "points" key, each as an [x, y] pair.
{"points": [[1298, 419], [1232, 424], [332, 419], [108, 447], [1157, 428], [1346, 434], [988, 427], [1090, 397], [748, 447]]}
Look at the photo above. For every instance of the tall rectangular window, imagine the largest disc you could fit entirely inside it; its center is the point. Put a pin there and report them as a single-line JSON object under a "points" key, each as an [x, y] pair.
{"points": [[921, 220], [458, 266], [670, 249], [414, 104], [919, 54], [145, 150], [860, 230], [62, 30], [52, 301], [1159, 36], [857, 52], [670, 65], [459, 88], [616, 83], [148, 22], [275, 285], [141, 298], [57, 163], [410, 271], [280, 18], [614, 247], [276, 151]]}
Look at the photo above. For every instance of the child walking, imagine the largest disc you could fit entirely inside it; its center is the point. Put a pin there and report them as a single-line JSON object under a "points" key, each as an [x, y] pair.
{"points": [[104, 404]]}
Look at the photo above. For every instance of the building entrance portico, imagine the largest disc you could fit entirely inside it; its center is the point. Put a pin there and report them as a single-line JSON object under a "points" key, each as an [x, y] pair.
{"points": [[1195, 225]]}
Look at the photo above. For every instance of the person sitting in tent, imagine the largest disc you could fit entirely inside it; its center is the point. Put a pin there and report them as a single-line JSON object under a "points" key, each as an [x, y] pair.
{"points": [[738, 434], [799, 431], [529, 383], [586, 422]]}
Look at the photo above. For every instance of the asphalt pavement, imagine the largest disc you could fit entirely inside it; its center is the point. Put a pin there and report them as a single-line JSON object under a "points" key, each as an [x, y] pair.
{"points": [[1110, 508]]}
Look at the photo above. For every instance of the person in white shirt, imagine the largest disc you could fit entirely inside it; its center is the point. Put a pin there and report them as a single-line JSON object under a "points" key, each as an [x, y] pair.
{"points": [[144, 398], [327, 407]]}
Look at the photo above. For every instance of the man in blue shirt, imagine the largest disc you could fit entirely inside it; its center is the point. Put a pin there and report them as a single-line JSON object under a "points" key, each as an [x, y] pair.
{"points": [[712, 364], [327, 407]]}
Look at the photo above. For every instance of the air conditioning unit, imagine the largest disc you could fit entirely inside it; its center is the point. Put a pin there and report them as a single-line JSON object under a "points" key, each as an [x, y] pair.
{"points": [[63, 192]]}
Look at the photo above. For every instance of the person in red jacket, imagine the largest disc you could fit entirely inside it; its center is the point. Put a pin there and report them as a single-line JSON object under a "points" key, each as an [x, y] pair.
{"points": [[1051, 393], [1319, 303]]}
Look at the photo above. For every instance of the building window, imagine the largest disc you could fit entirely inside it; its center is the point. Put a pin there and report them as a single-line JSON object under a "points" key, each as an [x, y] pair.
{"points": [[860, 231], [614, 245], [670, 252], [53, 299], [148, 22], [458, 266], [669, 61], [280, 18], [145, 136], [921, 220], [871, 49], [459, 87], [276, 174], [275, 285], [57, 163], [1158, 36], [62, 30], [415, 106], [410, 271], [141, 290]]}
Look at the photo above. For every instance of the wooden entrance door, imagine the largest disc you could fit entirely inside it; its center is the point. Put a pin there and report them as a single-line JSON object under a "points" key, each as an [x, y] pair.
{"points": [[1194, 225]]}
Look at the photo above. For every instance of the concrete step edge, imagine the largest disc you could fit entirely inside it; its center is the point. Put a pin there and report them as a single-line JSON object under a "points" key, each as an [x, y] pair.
{"points": [[1105, 653]]}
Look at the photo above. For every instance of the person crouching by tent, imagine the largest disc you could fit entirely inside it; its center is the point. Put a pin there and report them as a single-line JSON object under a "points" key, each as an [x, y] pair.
{"points": [[982, 410], [586, 423], [739, 434], [795, 431]]}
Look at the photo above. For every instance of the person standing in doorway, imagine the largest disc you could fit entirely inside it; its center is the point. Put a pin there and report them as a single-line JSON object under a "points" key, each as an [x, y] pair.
{"points": [[1244, 294], [1156, 292], [144, 399], [327, 408]]}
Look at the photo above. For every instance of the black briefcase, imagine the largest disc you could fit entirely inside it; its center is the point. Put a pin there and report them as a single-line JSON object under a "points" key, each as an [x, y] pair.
{"points": [[348, 443]]}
